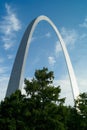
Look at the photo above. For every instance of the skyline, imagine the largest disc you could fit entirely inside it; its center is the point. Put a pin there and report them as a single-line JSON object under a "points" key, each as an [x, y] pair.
{"points": [[13, 25]]}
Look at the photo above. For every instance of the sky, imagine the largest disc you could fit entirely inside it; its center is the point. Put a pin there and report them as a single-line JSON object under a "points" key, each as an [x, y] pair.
{"points": [[70, 17]]}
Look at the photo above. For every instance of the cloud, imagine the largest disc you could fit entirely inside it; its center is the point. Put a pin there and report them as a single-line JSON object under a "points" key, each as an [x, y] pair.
{"points": [[7, 46], [84, 24], [48, 35], [3, 69], [10, 56], [82, 82], [10, 21], [58, 47], [51, 60], [9, 25], [69, 36], [66, 91]]}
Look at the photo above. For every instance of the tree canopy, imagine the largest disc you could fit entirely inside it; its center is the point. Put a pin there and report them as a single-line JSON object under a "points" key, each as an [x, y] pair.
{"points": [[41, 108]]}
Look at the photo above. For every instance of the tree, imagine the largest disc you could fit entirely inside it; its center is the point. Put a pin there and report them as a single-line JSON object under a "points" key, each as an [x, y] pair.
{"points": [[40, 109], [77, 115], [44, 101], [11, 112], [81, 105]]}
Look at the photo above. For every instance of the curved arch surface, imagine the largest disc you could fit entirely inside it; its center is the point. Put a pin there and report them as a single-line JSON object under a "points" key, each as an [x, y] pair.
{"points": [[17, 74]]}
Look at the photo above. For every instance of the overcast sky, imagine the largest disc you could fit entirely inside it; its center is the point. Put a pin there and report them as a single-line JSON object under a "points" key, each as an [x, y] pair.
{"points": [[70, 17]]}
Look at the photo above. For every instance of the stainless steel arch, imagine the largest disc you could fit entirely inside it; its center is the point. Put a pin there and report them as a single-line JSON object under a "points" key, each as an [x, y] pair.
{"points": [[16, 78]]}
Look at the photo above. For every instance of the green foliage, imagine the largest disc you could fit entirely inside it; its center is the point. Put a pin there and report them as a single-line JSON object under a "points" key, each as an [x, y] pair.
{"points": [[43, 99], [42, 108], [77, 116], [41, 88], [81, 105]]}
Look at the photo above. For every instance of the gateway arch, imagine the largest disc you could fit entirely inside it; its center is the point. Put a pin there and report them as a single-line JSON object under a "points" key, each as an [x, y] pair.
{"points": [[17, 74]]}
